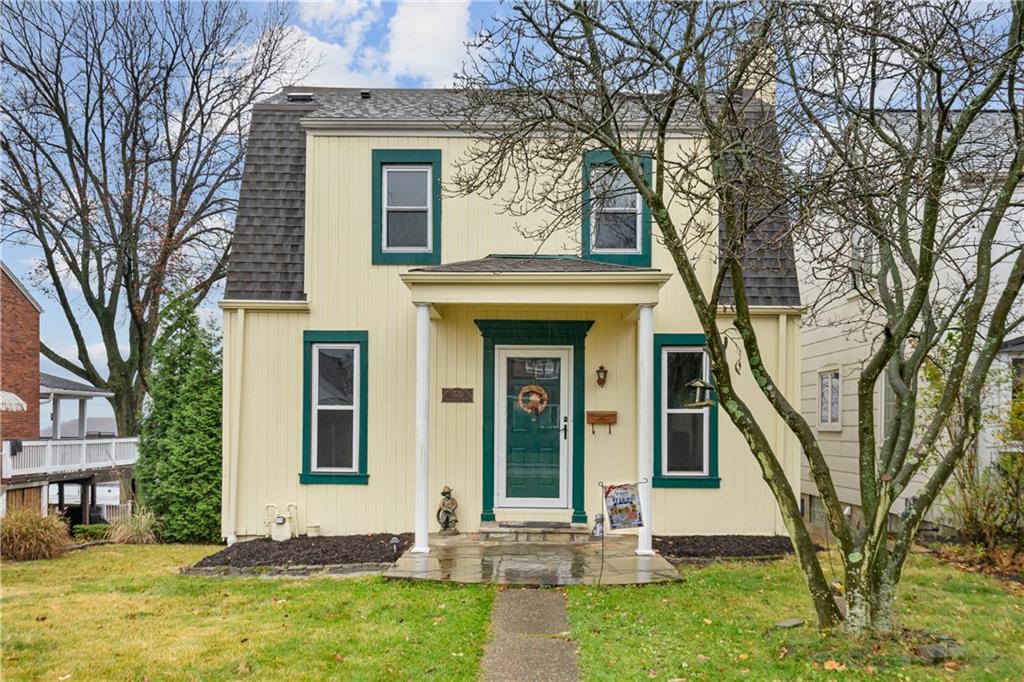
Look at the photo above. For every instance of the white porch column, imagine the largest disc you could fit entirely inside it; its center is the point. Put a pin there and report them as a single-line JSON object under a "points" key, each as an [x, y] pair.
{"points": [[645, 421], [81, 418], [422, 511]]}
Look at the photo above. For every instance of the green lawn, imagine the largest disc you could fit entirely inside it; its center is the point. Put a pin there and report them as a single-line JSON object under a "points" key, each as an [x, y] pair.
{"points": [[118, 612], [718, 624], [125, 613]]}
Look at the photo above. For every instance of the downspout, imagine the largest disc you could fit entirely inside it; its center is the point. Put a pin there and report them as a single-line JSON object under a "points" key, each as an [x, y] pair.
{"points": [[235, 430], [781, 429]]}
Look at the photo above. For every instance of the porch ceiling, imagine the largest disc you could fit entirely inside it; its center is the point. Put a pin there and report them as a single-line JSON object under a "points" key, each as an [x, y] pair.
{"points": [[608, 288]]}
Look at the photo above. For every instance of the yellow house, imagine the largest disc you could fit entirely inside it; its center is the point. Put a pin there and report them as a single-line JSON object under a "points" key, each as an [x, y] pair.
{"points": [[384, 339]]}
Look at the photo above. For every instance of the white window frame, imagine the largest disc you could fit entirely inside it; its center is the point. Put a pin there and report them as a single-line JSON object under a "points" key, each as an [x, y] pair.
{"points": [[666, 411], [355, 408], [833, 422], [385, 170], [595, 209]]}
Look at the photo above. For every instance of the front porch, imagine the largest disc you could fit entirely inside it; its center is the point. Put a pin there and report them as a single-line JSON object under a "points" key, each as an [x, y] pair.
{"points": [[539, 460]]}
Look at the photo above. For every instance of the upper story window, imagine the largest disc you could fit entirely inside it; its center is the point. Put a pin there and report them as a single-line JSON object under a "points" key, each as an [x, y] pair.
{"points": [[406, 206], [616, 222], [615, 211], [863, 253], [406, 209]]}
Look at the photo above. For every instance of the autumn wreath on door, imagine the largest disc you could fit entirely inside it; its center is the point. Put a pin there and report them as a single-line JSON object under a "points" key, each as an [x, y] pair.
{"points": [[533, 399]]}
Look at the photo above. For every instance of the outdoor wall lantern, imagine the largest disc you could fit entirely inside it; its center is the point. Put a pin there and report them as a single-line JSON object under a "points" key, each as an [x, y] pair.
{"points": [[602, 376], [702, 394]]}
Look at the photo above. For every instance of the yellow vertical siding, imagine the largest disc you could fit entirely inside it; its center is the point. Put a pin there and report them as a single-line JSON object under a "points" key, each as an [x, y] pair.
{"points": [[347, 293]]}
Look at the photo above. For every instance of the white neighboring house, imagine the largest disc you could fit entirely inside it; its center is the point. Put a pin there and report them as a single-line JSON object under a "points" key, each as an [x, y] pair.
{"points": [[840, 337]]}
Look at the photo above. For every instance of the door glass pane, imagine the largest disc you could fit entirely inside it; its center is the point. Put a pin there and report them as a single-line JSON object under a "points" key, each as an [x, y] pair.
{"points": [[407, 229], [407, 187], [681, 369], [685, 443], [533, 427], [336, 371], [614, 231], [334, 439]]}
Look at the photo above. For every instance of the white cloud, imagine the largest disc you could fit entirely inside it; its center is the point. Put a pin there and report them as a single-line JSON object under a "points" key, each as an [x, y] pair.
{"points": [[427, 40], [333, 17], [423, 41], [340, 64]]}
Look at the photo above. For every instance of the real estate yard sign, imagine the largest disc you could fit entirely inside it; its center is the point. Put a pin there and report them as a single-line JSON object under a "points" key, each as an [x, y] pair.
{"points": [[622, 501]]}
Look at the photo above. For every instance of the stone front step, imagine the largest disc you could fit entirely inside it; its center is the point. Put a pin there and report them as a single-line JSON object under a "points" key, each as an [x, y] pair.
{"points": [[535, 532]]}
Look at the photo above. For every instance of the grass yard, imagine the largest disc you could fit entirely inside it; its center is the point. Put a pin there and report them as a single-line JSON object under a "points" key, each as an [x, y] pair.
{"points": [[123, 612], [119, 612], [718, 624]]}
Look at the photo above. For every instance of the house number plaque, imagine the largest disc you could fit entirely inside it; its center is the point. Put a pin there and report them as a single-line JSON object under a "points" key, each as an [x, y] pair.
{"points": [[456, 395]]}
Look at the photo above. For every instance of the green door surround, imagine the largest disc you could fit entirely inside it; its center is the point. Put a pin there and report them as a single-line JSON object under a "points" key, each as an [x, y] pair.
{"points": [[541, 333]]}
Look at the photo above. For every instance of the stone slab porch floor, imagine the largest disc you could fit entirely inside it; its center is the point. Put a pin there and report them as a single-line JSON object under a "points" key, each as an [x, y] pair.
{"points": [[466, 559]]}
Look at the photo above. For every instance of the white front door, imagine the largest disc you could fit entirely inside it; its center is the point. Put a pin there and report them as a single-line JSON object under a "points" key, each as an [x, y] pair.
{"points": [[533, 429]]}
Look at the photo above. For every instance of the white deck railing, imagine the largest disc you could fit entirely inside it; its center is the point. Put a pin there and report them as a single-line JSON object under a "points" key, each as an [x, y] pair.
{"points": [[65, 455]]}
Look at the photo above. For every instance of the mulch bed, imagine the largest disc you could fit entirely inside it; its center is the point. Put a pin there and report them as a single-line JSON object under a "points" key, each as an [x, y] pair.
{"points": [[687, 547], [306, 551]]}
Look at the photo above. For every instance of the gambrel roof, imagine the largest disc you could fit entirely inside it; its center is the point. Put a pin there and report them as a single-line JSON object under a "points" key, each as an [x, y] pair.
{"points": [[267, 251]]}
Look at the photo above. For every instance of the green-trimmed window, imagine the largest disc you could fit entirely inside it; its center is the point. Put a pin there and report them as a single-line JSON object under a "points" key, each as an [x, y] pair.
{"points": [[685, 427], [616, 221], [406, 206], [334, 407]]}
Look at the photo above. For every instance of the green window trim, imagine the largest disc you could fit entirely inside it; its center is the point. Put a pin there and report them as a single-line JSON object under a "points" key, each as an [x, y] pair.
{"points": [[419, 157], [711, 480], [535, 332], [642, 259], [311, 338]]}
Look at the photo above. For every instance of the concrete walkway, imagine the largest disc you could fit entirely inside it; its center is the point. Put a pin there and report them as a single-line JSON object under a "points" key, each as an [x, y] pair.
{"points": [[530, 638], [466, 559]]}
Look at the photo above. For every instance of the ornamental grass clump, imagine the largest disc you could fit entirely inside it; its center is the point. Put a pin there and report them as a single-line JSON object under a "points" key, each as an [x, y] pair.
{"points": [[26, 536], [138, 529]]}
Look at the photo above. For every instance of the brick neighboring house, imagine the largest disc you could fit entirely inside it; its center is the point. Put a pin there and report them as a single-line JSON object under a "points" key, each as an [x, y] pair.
{"points": [[19, 371], [33, 464]]}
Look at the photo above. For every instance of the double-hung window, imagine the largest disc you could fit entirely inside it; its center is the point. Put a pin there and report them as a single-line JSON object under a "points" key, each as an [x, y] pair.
{"points": [[406, 207], [615, 211], [616, 221], [829, 408], [686, 414], [862, 258], [1017, 378], [335, 407]]}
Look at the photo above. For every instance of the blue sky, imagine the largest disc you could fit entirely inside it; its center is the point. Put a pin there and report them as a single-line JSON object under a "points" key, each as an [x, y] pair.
{"points": [[359, 43]]}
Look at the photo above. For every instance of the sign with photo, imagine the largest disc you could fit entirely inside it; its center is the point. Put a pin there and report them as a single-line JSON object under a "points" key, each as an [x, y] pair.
{"points": [[622, 501]]}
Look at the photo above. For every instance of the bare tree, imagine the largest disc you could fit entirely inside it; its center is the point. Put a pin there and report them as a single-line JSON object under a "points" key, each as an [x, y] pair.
{"points": [[124, 130], [788, 102]]}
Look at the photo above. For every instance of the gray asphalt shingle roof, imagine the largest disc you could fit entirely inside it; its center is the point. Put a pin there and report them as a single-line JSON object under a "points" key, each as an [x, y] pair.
{"points": [[266, 261], [51, 383]]}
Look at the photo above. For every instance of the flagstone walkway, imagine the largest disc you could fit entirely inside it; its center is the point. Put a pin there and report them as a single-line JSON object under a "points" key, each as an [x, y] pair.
{"points": [[530, 638]]}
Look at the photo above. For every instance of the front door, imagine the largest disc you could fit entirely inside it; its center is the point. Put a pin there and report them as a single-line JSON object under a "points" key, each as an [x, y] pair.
{"points": [[532, 414]]}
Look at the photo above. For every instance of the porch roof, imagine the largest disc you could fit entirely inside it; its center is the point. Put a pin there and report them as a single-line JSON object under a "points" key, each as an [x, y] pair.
{"points": [[534, 279], [51, 385]]}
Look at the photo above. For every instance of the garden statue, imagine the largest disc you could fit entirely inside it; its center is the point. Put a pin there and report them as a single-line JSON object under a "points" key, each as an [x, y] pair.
{"points": [[446, 516]]}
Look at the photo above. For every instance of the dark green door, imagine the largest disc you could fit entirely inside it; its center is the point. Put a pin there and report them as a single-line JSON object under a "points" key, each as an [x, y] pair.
{"points": [[535, 417]]}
